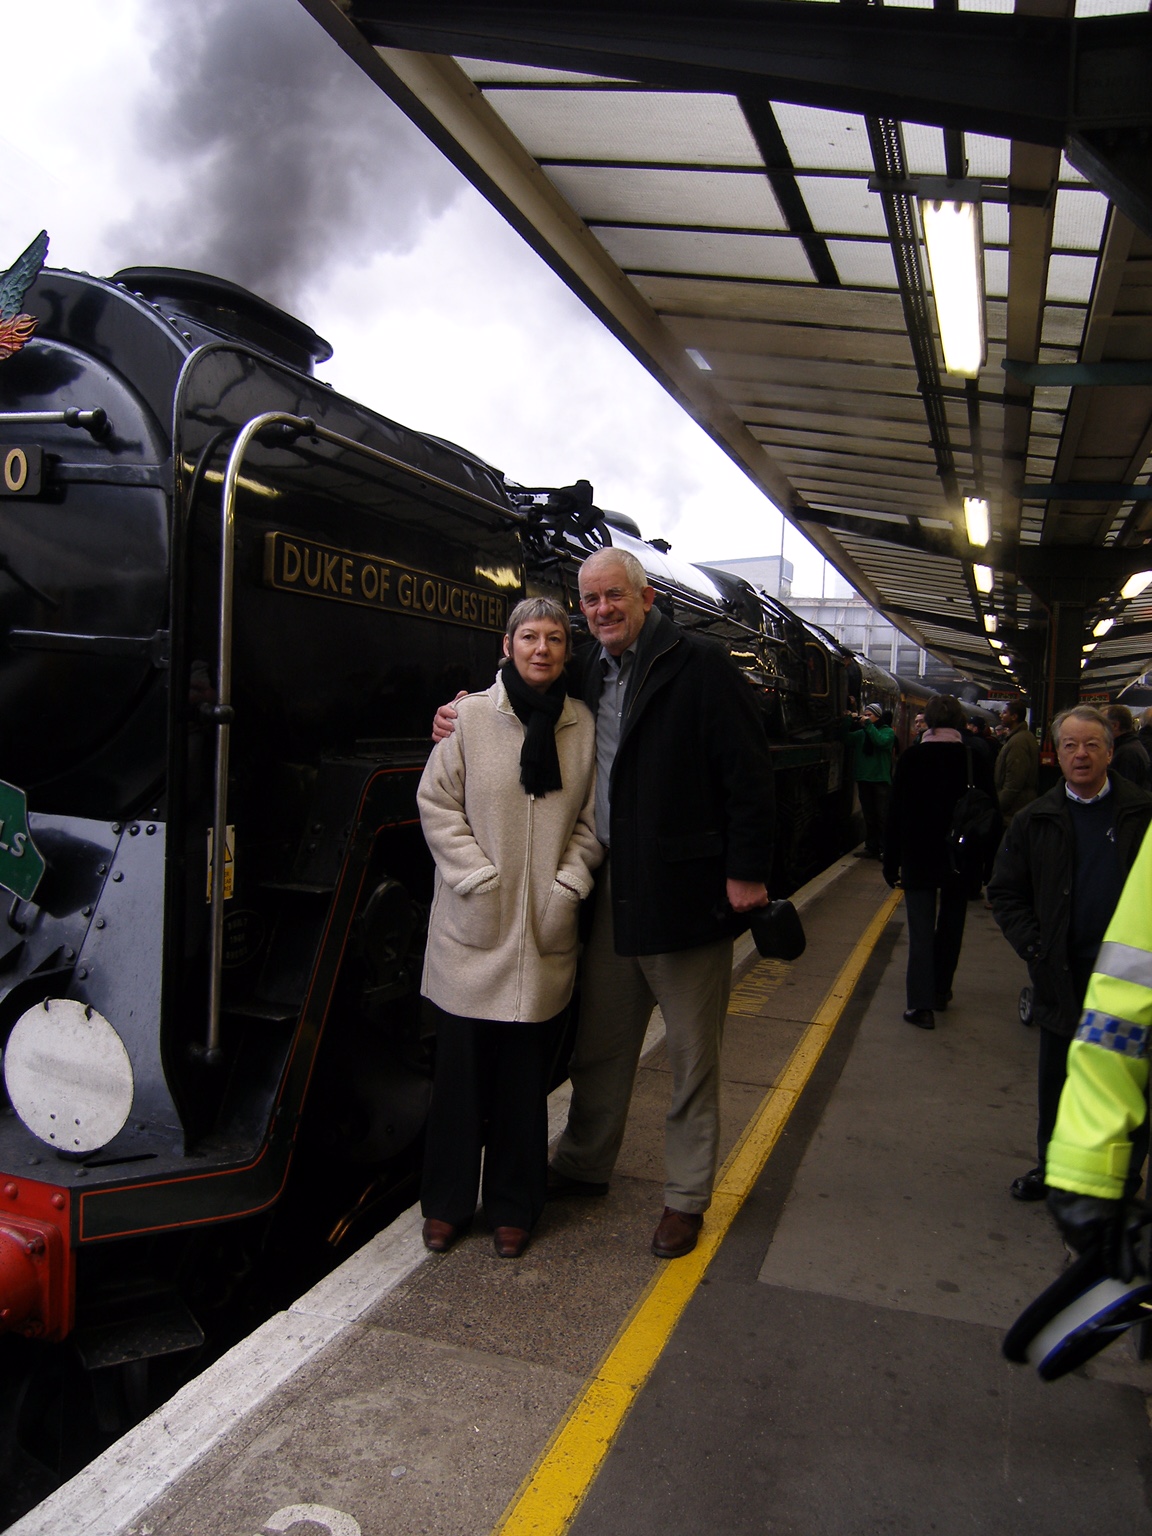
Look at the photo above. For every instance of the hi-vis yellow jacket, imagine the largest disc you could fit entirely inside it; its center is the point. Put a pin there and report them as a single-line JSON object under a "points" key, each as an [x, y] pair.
{"points": [[1106, 1094]]}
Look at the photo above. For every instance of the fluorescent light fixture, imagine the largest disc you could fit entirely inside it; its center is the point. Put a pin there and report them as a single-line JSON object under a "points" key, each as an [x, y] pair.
{"points": [[1136, 584], [990, 622], [976, 520], [1005, 661], [997, 645], [699, 359], [1101, 629], [982, 576], [1089, 648], [955, 259]]}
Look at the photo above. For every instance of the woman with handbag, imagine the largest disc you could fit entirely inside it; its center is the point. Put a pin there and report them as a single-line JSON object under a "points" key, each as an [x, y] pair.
{"points": [[919, 852], [507, 807]]}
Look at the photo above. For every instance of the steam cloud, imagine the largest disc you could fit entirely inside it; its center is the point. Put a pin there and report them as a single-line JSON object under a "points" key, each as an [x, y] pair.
{"points": [[286, 159]]}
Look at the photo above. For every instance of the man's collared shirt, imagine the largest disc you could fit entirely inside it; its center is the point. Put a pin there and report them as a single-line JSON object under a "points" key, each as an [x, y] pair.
{"points": [[617, 672], [1092, 799]]}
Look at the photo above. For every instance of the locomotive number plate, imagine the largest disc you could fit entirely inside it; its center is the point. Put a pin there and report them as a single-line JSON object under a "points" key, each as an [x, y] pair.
{"points": [[21, 471], [298, 565]]}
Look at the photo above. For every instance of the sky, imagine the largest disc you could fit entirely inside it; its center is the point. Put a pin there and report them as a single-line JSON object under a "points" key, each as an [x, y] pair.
{"points": [[234, 137]]}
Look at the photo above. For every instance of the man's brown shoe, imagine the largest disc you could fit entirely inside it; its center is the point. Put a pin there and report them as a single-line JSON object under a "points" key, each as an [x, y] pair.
{"points": [[439, 1235], [677, 1233], [510, 1242]]}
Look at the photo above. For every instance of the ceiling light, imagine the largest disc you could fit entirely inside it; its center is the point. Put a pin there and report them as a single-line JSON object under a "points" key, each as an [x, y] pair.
{"points": [[1136, 584], [952, 235], [1101, 629], [699, 359], [997, 645], [982, 575], [990, 622], [1005, 661], [976, 520], [1087, 649]]}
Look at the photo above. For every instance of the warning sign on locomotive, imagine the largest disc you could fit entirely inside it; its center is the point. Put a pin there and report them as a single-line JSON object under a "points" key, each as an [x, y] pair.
{"points": [[293, 564]]}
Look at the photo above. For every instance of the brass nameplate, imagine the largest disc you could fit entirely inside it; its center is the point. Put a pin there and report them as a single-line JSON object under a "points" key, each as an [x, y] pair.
{"points": [[319, 570]]}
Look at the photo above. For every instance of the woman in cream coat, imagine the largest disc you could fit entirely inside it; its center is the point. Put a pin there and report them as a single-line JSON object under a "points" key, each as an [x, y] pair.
{"points": [[507, 807]]}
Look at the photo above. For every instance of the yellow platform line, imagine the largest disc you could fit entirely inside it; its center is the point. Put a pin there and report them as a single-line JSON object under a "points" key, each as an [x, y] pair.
{"points": [[548, 1498]]}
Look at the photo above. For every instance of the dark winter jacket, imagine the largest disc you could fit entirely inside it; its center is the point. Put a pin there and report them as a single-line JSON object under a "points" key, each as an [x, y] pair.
{"points": [[1016, 771], [692, 802], [1031, 891], [1130, 760], [930, 777]]}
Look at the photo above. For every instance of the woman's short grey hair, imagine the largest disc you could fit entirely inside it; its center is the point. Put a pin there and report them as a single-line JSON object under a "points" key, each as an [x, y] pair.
{"points": [[1084, 712], [545, 608], [634, 573]]}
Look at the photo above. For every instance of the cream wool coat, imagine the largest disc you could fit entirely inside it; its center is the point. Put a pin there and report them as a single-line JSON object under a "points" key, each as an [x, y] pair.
{"points": [[502, 935]]}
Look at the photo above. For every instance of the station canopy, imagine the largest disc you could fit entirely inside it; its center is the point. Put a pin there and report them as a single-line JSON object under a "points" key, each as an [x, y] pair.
{"points": [[740, 190]]}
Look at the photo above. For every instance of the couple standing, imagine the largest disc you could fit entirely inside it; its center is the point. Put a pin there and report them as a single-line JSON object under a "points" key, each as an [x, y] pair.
{"points": [[680, 814]]}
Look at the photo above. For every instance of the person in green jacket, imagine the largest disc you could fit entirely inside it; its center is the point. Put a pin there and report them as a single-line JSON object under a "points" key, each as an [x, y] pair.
{"points": [[874, 745], [1101, 1136]]}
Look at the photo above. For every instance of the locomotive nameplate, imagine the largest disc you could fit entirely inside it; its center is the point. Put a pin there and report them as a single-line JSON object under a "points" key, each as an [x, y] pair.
{"points": [[345, 576], [21, 471], [21, 863]]}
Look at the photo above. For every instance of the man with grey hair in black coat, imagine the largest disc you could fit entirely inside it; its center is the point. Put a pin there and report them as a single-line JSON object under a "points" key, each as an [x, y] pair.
{"points": [[1057, 878]]}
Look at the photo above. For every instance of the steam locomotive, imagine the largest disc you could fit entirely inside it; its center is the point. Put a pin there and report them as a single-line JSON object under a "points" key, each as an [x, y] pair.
{"points": [[231, 601]]}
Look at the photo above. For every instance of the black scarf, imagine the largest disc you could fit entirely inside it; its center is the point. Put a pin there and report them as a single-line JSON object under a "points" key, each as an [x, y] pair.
{"points": [[538, 713]]}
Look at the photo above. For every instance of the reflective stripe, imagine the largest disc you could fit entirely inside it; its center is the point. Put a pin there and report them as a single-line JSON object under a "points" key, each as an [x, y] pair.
{"points": [[1113, 1034], [1124, 962]]}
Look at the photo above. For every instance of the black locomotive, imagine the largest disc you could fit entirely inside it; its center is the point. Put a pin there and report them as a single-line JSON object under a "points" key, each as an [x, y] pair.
{"points": [[231, 600]]}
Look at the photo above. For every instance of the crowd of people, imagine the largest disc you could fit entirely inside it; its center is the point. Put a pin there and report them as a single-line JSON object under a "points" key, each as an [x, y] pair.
{"points": [[611, 807]]}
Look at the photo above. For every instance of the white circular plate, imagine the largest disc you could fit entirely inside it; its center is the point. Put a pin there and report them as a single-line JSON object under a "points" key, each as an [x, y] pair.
{"points": [[68, 1075]]}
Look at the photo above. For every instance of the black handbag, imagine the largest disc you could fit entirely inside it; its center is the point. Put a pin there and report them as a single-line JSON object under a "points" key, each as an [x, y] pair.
{"points": [[777, 931]]}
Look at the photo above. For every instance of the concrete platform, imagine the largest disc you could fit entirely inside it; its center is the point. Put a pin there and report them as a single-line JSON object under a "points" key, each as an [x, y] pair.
{"points": [[838, 1369]]}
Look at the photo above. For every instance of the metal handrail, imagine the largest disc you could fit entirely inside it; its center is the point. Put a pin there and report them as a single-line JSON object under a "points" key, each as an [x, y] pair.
{"points": [[93, 421], [221, 712]]}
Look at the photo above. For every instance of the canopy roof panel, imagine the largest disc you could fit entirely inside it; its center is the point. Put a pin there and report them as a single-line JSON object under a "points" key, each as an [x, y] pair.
{"points": [[734, 189]]}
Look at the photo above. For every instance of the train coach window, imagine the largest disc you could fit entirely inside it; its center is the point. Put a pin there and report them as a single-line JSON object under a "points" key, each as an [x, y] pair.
{"points": [[816, 663]]}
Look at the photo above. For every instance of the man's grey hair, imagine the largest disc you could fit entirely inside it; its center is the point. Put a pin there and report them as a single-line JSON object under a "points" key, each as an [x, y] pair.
{"points": [[539, 608], [1086, 712], [634, 573]]}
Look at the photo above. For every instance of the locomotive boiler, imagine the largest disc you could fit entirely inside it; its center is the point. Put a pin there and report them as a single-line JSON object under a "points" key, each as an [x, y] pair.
{"points": [[230, 601]]}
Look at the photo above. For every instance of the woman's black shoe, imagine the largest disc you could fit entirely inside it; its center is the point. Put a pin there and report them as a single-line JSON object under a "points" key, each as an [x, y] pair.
{"points": [[923, 1018]]}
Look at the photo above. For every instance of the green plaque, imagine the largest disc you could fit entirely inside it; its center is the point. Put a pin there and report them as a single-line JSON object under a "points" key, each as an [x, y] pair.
{"points": [[21, 864]]}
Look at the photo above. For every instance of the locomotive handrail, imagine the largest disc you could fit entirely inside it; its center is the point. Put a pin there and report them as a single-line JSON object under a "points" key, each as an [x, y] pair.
{"points": [[221, 713], [93, 421]]}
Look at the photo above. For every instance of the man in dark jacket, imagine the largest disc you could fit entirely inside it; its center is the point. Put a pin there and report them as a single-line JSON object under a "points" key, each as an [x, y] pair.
{"points": [[1058, 875], [1017, 767], [684, 804], [1129, 756]]}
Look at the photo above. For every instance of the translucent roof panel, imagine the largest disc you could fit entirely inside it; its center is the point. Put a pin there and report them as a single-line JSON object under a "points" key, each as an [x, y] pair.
{"points": [[776, 257], [994, 218], [988, 156], [824, 141], [843, 206], [863, 264], [1071, 277], [740, 200], [996, 273], [1079, 221], [659, 127], [924, 150]]}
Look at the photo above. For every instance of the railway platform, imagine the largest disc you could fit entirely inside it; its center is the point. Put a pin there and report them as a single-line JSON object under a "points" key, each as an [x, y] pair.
{"points": [[828, 1361]]}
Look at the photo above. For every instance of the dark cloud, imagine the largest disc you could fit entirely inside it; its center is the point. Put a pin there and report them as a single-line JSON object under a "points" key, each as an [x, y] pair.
{"points": [[279, 157]]}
